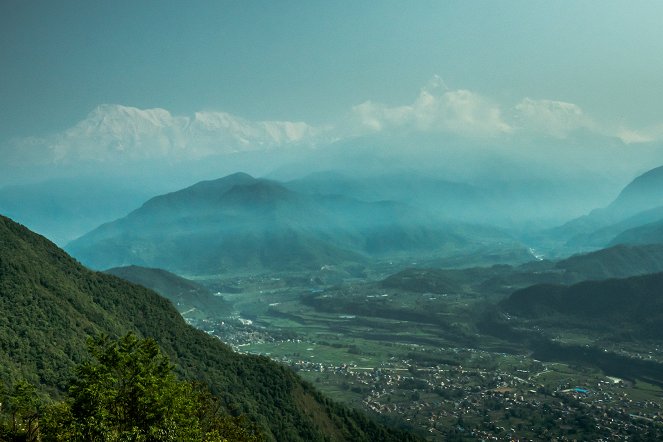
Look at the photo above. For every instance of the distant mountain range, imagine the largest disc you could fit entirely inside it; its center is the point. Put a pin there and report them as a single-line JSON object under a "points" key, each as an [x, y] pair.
{"points": [[620, 261], [240, 222], [51, 304], [644, 193], [447, 199], [113, 133]]}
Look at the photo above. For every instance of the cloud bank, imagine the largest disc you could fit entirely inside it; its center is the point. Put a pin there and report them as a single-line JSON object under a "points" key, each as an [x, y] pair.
{"points": [[436, 109], [470, 114]]}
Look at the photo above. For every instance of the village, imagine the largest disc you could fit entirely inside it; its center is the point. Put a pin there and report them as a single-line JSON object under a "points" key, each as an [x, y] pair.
{"points": [[494, 396]]}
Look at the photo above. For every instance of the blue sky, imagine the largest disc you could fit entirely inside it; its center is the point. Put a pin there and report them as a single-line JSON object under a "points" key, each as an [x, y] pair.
{"points": [[314, 60]]}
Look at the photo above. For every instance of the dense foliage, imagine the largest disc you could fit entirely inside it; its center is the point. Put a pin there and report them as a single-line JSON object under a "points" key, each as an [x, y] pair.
{"points": [[127, 392], [51, 305]]}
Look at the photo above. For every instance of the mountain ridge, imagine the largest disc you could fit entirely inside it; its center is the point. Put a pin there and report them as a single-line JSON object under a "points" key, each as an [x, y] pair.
{"points": [[243, 222], [626, 305]]}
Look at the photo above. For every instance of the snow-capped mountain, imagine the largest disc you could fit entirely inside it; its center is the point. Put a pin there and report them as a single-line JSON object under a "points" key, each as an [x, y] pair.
{"points": [[121, 133]]}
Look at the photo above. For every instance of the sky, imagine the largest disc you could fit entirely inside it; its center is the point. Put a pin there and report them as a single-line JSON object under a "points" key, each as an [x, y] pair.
{"points": [[153, 96], [316, 61]]}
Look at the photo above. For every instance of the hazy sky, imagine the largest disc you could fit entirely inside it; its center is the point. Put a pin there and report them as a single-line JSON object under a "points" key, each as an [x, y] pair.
{"points": [[313, 60]]}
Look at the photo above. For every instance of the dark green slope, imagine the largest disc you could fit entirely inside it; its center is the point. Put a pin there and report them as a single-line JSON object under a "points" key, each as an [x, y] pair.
{"points": [[239, 222], [619, 261], [632, 305], [50, 305], [427, 280]]}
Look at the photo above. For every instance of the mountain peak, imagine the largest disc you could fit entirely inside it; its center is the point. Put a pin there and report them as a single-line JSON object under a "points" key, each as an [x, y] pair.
{"points": [[259, 191], [236, 178], [654, 176], [203, 192]]}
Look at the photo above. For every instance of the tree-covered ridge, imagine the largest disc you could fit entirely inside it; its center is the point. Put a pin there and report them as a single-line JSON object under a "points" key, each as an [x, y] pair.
{"points": [[51, 305], [619, 261], [630, 306]]}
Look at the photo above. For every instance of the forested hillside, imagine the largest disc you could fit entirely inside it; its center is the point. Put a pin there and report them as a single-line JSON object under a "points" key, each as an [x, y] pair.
{"points": [[51, 304]]}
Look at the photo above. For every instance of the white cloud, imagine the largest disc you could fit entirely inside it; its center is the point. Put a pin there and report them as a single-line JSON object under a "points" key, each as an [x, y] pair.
{"points": [[376, 117], [467, 113], [559, 119], [461, 111], [648, 134], [549, 117], [435, 109]]}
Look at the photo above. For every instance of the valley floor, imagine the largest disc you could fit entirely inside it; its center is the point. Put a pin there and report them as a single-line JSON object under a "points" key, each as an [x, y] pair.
{"points": [[446, 380]]}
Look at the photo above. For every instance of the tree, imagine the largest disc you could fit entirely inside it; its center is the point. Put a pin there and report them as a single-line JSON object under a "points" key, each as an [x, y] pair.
{"points": [[128, 392], [22, 403]]}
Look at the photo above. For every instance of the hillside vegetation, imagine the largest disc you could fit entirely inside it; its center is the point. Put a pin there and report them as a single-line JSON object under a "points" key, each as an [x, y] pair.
{"points": [[51, 305]]}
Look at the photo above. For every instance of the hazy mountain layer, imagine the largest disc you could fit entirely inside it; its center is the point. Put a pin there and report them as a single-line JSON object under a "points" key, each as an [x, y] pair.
{"points": [[651, 233], [50, 305], [448, 199], [643, 193], [239, 222], [639, 203]]}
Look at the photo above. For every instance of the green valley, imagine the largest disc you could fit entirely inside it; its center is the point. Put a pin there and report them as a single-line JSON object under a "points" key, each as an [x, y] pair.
{"points": [[433, 349]]}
